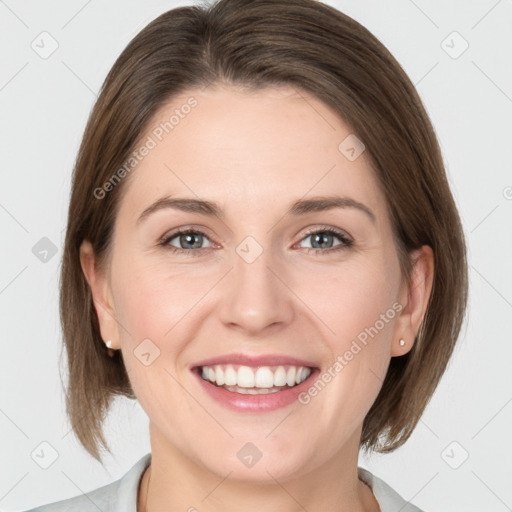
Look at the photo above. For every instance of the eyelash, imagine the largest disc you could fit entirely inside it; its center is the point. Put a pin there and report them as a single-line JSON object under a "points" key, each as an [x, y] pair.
{"points": [[345, 241]]}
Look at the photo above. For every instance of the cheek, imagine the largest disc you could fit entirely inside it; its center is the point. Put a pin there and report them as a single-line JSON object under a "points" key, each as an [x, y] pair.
{"points": [[151, 303], [360, 314], [151, 306], [354, 302], [357, 314]]}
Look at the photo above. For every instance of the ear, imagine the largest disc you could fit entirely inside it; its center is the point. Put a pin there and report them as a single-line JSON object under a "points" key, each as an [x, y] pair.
{"points": [[414, 300], [101, 294]]}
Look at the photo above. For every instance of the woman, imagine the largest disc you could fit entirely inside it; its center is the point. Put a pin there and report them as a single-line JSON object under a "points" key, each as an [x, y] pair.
{"points": [[262, 249]]}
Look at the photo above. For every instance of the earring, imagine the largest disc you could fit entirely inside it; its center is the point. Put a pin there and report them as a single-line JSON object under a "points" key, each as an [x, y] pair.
{"points": [[402, 342], [110, 351]]}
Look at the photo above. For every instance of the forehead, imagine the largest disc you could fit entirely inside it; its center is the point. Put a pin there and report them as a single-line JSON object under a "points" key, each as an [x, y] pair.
{"points": [[258, 150]]}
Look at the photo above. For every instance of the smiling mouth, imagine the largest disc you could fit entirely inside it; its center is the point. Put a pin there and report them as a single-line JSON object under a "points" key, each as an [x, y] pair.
{"points": [[255, 380]]}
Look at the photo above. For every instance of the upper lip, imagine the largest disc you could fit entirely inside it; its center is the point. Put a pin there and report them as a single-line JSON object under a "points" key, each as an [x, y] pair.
{"points": [[255, 360]]}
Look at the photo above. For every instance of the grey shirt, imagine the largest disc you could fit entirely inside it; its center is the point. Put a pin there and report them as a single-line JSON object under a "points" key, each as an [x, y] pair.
{"points": [[121, 495]]}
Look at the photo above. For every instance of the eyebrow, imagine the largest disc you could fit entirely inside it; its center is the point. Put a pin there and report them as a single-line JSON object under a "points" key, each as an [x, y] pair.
{"points": [[299, 207]]}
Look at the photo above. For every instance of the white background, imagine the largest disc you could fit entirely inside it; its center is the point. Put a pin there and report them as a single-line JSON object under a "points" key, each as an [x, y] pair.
{"points": [[44, 106]]}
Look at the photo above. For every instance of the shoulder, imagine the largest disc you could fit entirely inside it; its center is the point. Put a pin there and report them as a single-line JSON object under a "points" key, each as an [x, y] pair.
{"points": [[102, 498], [118, 496], [387, 498]]}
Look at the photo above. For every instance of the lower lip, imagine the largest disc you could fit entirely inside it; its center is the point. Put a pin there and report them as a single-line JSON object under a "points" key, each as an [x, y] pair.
{"points": [[255, 403]]}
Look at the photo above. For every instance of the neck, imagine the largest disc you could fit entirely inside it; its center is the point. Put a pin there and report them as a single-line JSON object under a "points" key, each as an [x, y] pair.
{"points": [[175, 482]]}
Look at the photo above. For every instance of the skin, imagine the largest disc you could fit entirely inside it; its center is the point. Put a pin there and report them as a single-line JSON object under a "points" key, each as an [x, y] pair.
{"points": [[254, 153]]}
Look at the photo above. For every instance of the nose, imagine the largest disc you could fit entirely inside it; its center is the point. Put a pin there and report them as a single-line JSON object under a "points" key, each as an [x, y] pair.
{"points": [[255, 296]]}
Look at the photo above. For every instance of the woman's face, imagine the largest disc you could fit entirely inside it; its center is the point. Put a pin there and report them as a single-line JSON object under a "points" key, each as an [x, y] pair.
{"points": [[253, 280]]}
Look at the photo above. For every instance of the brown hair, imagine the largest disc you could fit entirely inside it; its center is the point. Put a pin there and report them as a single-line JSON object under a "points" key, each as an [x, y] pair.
{"points": [[256, 44]]}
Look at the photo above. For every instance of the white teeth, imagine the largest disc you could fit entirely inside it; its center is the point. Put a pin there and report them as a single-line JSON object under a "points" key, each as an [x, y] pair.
{"points": [[245, 377], [290, 376], [264, 378], [230, 376], [251, 391], [219, 376], [280, 377], [299, 376], [255, 380]]}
